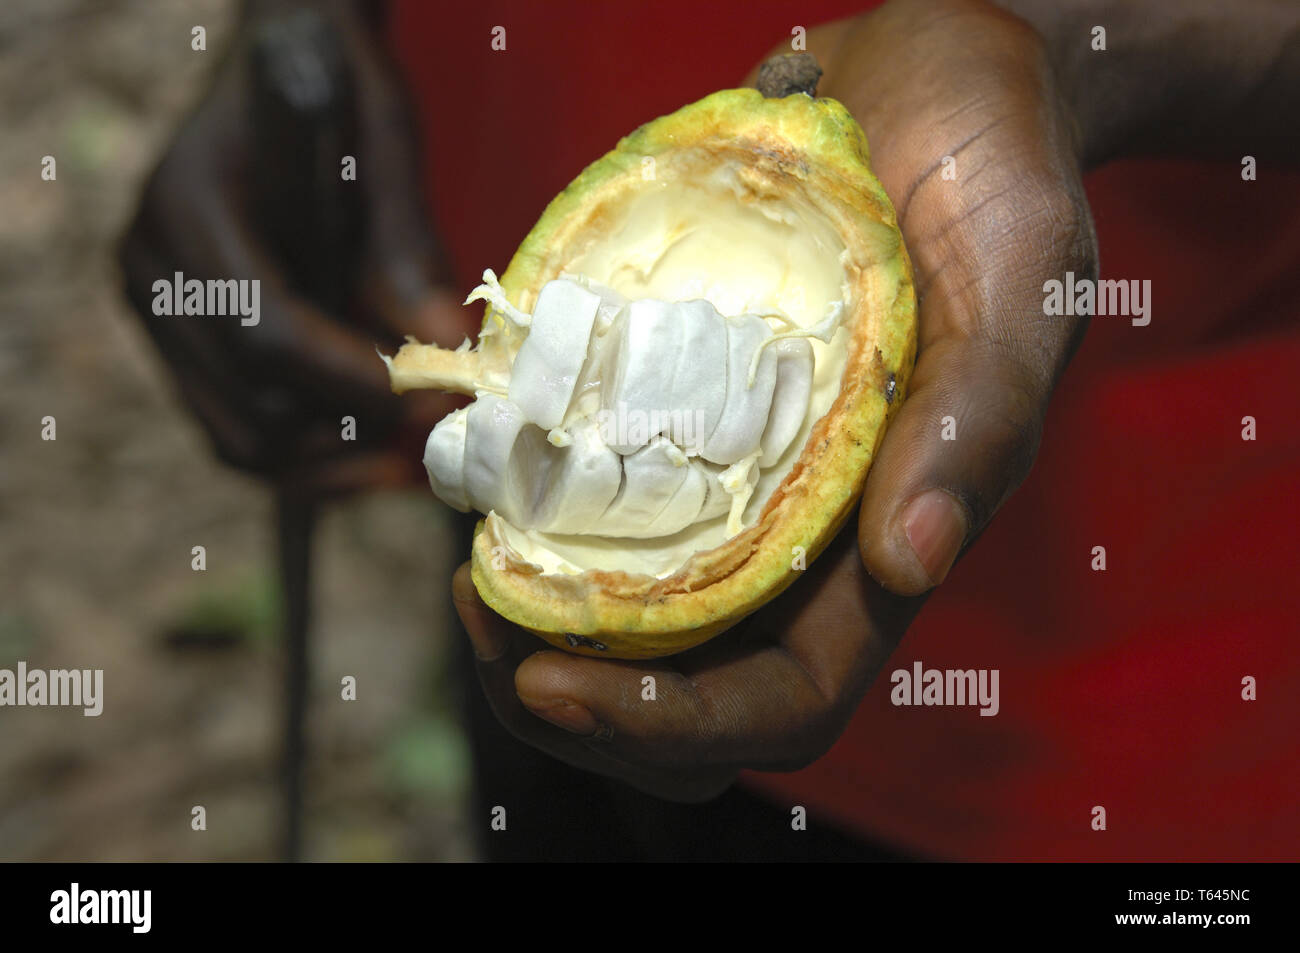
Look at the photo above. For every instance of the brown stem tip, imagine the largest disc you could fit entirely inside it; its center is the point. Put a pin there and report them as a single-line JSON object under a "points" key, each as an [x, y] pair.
{"points": [[788, 74]]}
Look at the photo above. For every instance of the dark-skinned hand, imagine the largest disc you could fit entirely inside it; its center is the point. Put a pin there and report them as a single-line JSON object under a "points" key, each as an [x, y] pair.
{"points": [[272, 396], [926, 80]]}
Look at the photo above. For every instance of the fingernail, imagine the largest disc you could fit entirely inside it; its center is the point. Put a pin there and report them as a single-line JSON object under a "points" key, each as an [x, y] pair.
{"points": [[565, 714], [936, 527]]}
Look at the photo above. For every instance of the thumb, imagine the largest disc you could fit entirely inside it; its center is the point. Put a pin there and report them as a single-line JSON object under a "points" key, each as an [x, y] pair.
{"points": [[962, 442]]}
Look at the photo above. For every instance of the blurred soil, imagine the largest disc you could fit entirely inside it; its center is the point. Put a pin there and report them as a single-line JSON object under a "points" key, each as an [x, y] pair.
{"points": [[96, 527]]}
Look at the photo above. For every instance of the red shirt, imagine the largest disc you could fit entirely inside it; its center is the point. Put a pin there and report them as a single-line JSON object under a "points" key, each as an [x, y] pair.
{"points": [[1120, 689]]}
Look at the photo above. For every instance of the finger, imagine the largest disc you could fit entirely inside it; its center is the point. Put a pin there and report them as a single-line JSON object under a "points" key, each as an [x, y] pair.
{"points": [[745, 708], [962, 442], [840, 625], [988, 361], [772, 693], [258, 425], [205, 234], [207, 376], [500, 648], [295, 341]]}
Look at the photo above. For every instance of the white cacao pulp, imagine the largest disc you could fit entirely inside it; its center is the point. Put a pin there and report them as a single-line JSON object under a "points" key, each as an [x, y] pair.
{"points": [[643, 403], [626, 419]]}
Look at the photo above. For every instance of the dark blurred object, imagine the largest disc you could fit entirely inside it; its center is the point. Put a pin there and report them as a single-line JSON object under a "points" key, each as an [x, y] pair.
{"points": [[304, 123]]}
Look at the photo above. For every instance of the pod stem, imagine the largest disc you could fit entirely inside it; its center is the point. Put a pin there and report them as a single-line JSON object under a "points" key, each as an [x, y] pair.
{"points": [[787, 74]]}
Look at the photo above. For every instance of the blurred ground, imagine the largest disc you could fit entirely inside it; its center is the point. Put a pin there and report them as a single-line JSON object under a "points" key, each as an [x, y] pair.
{"points": [[96, 527]]}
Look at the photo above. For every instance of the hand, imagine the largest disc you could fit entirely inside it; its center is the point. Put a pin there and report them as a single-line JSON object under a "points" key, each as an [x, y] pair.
{"points": [[773, 693], [926, 80], [272, 395]]}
